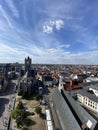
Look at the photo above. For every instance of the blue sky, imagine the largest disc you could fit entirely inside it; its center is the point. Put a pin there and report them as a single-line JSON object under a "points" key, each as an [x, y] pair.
{"points": [[49, 31]]}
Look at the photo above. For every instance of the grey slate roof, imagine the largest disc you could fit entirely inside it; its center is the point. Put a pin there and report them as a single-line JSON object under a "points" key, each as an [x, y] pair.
{"points": [[67, 120], [94, 87], [83, 115]]}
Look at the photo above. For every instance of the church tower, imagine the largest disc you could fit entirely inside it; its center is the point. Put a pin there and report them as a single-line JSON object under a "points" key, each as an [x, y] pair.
{"points": [[28, 64]]}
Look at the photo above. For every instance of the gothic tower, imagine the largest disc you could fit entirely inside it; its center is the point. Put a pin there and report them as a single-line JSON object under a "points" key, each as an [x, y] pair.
{"points": [[28, 64]]}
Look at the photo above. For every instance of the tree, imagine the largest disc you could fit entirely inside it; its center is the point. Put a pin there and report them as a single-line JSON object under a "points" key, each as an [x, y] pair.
{"points": [[19, 115], [20, 105], [23, 114], [15, 113], [38, 110]]}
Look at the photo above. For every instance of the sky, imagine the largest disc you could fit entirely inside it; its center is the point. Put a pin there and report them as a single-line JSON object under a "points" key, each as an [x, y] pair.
{"points": [[49, 31]]}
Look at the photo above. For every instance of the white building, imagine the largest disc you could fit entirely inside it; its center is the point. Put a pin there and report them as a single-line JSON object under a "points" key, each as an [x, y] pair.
{"points": [[88, 100], [94, 89]]}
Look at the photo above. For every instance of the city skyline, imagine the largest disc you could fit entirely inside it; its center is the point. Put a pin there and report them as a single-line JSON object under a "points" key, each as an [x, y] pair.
{"points": [[58, 32]]}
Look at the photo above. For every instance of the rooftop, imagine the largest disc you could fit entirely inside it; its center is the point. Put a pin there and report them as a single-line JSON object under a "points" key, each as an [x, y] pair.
{"points": [[67, 120], [87, 94], [82, 114]]}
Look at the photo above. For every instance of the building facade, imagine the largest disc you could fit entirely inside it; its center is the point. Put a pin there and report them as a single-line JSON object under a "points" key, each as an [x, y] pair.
{"points": [[88, 100]]}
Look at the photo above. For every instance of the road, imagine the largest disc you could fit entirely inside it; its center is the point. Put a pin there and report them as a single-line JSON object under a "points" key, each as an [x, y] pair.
{"points": [[7, 99]]}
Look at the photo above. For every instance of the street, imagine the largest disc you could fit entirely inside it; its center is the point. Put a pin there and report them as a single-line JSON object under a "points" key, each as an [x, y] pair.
{"points": [[7, 99]]}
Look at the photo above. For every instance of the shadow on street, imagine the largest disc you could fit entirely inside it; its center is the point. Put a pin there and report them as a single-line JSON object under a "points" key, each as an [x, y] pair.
{"points": [[3, 102], [9, 90]]}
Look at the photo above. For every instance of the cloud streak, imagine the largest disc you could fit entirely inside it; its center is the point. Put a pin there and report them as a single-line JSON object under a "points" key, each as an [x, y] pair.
{"points": [[12, 8], [5, 16]]}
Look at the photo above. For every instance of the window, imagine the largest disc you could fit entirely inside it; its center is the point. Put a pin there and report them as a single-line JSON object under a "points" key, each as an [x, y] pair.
{"points": [[88, 104]]}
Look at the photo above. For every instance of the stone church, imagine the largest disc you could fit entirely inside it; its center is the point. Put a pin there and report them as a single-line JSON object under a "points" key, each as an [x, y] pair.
{"points": [[28, 82]]}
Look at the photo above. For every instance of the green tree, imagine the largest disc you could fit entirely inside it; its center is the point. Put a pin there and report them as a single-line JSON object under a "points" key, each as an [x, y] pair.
{"points": [[23, 115], [38, 110], [15, 113], [20, 105], [19, 115]]}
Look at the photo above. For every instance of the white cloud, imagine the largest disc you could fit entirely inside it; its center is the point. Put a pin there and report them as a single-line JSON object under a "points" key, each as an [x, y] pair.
{"points": [[9, 50], [59, 24], [53, 50], [50, 25], [6, 48], [47, 29], [38, 54], [12, 8]]}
